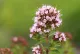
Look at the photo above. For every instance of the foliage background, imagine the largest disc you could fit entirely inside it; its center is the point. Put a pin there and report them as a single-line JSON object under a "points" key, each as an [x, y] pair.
{"points": [[16, 18]]}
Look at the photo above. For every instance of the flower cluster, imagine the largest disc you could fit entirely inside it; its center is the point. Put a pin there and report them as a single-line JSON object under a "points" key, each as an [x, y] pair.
{"points": [[59, 36], [47, 18], [5, 51], [20, 40], [37, 50]]}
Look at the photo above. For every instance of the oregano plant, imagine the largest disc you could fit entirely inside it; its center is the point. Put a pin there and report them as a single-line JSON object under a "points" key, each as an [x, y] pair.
{"points": [[44, 30], [49, 40]]}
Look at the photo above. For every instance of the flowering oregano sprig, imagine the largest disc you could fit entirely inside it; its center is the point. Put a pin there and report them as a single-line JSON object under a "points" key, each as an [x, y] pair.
{"points": [[37, 50], [19, 44], [47, 19], [59, 36]]}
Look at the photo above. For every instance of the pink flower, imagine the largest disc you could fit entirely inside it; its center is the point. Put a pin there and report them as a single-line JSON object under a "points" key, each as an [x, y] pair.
{"points": [[31, 35], [47, 31], [51, 10], [15, 39], [36, 50], [47, 18], [52, 26], [38, 29], [37, 13], [59, 36]]}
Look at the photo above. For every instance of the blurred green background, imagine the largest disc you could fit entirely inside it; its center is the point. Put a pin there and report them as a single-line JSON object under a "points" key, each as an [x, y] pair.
{"points": [[16, 18]]}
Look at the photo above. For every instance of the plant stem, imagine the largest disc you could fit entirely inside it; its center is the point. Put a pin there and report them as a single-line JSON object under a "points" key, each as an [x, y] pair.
{"points": [[47, 51], [47, 41]]}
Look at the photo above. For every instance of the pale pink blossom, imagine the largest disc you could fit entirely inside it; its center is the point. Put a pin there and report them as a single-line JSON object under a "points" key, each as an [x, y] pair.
{"points": [[52, 26], [36, 50], [56, 34], [53, 17], [15, 39], [63, 36], [38, 29], [46, 31], [60, 36], [31, 35], [59, 21], [36, 19], [33, 29], [55, 10], [44, 20], [47, 17], [48, 7], [37, 13], [46, 11], [51, 10]]}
